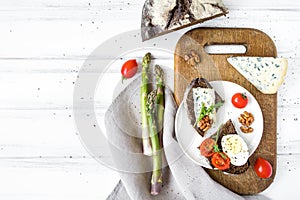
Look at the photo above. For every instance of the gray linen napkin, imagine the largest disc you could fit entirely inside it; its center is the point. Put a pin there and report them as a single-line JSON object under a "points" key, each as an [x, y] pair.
{"points": [[182, 179]]}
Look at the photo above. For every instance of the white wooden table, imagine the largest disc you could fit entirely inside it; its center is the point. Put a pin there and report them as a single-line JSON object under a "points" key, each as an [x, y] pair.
{"points": [[43, 45]]}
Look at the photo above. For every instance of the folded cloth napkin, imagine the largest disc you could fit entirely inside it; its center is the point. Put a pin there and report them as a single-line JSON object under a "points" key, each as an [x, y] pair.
{"points": [[182, 179]]}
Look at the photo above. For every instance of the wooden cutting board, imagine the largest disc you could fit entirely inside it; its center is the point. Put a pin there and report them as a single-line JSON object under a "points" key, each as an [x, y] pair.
{"points": [[215, 67]]}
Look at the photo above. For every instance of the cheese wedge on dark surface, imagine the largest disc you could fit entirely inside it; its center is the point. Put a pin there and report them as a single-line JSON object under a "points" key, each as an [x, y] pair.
{"points": [[265, 73], [162, 16]]}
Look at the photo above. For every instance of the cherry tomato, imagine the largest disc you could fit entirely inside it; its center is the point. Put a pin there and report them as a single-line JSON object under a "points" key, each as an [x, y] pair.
{"points": [[263, 168], [129, 69], [239, 100], [220, 160], [207, 147]]}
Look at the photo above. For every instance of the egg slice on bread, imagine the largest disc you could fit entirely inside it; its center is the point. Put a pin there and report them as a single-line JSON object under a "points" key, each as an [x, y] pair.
{"points": [[236, 149]]}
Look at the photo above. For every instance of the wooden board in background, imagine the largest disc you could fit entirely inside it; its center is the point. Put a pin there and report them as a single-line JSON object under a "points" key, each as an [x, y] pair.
{"points": [[216, 67]]}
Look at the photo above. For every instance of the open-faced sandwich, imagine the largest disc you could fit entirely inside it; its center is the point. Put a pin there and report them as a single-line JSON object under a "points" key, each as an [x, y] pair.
{"points": [[201, 103], [226, 150]]}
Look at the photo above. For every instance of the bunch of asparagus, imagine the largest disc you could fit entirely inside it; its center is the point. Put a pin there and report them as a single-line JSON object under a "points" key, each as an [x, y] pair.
{"points": [[152, 110]]}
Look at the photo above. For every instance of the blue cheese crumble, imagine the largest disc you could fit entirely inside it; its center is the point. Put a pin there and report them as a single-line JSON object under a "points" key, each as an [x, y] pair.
{"points": [[206, 96]]}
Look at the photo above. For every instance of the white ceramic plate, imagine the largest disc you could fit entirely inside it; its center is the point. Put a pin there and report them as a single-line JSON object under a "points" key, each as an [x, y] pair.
{"points": [[188, 138]]}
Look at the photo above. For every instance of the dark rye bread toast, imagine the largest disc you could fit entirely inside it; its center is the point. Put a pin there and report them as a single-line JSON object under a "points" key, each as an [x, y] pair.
{"points": [[189, 101], [228, 128]]}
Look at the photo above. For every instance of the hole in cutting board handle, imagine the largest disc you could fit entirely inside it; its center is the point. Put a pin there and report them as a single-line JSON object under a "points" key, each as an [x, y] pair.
{"points": [[225, 49]]}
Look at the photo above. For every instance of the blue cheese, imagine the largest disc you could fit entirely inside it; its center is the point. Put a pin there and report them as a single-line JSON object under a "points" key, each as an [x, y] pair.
{"points": [[265, 73], [206, 96]]}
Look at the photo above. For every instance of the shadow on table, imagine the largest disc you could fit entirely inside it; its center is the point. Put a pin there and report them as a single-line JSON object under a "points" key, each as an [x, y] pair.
{"points": [[257, 197]]}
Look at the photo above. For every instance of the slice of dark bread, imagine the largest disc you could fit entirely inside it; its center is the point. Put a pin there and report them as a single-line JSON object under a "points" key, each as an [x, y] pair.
{"points": [[189, 101], [163, 16], [228, 128]]}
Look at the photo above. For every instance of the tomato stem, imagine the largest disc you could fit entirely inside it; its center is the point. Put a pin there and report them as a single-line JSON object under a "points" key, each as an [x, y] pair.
{"points": [[244, 96], [123, 78]]}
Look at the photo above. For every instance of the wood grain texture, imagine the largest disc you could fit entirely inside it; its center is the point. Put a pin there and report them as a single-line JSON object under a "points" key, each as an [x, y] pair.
{"points": [[216, 67]]}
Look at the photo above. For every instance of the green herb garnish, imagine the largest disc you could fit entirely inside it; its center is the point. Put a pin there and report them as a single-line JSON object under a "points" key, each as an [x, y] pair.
{"points": [[216, 146], [206, 111], [216, 137]]}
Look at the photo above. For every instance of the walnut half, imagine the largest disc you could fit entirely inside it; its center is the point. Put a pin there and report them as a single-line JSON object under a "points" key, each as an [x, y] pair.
{"points": [[246, 119]]}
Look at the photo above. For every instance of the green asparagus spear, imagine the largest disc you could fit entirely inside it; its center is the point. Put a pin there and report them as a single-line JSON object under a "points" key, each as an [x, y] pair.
{"points": [[144, 92], [159, 99], [156, 179]]}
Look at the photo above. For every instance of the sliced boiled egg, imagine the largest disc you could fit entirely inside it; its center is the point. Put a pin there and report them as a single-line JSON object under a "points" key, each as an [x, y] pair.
{"points": [[236, 149]]}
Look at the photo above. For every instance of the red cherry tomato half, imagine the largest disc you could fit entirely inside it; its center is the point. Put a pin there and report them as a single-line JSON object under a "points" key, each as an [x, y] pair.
{"points": [[263, 168], [207, 147], [129, 69], [239, 100], [220, 160]]}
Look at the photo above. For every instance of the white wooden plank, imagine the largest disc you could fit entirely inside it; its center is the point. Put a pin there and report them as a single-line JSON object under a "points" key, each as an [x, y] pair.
{"points": [[74, 32], [83, 179], [55, 178], [116, 5], [43, 45], [71, 40], [56, 92], [50, 83], [52, 113], [39, 133], [44, 133]]}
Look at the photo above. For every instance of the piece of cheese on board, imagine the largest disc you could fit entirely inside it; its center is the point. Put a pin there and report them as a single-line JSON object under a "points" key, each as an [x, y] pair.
{"points": [[265, 73]]}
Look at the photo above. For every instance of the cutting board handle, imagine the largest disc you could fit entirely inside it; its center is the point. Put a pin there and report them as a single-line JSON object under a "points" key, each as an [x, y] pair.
{"points": [[255, 41], [214, 49]]}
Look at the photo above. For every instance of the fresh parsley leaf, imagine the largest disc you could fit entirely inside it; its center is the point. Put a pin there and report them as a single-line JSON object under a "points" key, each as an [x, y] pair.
{"points": [[206, 111]]}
